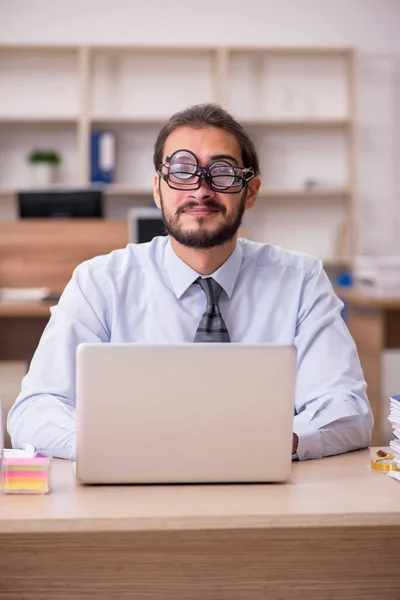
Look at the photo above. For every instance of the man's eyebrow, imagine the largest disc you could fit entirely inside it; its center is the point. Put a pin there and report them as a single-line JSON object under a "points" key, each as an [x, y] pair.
{"points": [[222, 156]]}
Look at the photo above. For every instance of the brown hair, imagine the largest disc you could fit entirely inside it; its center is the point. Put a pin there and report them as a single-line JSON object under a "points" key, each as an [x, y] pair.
{"points": [[200, 116]]}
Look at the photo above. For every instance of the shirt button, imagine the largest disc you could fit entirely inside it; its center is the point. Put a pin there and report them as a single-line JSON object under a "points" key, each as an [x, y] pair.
{"points": [[306, 454]]}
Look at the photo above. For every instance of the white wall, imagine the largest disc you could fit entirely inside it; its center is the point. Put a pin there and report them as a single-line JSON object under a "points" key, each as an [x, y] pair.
{"points": [[372, 26]]}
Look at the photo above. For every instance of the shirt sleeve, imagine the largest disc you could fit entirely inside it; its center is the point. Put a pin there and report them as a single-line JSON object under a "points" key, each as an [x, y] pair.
{"points": [[44, 412], [333, 414]]}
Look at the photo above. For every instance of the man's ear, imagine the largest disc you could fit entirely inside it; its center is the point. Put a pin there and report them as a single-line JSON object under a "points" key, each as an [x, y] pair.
{"points": [[156, 191], [252, 192]]}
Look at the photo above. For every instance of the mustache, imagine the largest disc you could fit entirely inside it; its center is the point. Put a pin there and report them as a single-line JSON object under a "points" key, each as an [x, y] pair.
{"points": [[210, 204]]}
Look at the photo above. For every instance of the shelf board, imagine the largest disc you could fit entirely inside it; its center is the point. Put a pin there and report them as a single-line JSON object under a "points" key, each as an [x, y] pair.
{"points": [[276, 50], [292, 122], [160, 120], [270, 122], [37, 119], [337, 262], [7, 192], [304, 194], [123, 190], [129, 190], [293, 50], [39, 47], [128, 120], [152, 49], [108, 190]]}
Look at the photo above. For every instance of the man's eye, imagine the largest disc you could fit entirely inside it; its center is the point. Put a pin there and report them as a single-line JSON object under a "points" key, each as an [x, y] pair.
{"points": [[223, 169], [182, 170]]}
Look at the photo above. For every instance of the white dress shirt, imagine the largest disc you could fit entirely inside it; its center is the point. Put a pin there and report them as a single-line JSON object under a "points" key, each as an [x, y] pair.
{"points": [[144, 293]]}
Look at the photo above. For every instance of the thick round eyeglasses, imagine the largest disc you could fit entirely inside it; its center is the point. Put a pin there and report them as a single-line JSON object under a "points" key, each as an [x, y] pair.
{"points": [[185, 174]]}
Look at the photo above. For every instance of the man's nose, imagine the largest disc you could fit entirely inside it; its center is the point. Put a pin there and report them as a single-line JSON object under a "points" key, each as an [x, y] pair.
{"points": [[203, 192]]}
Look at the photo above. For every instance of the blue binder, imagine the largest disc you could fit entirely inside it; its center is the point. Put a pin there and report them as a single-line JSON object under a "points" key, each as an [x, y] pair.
{"points": [[102, 156]]}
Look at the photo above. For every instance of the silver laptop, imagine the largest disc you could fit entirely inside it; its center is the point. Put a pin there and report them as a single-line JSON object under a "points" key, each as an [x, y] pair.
{"points": [[187, 413]]}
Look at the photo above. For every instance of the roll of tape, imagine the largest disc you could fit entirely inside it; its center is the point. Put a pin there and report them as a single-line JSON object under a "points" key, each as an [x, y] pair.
{"points": [[384, 463]]}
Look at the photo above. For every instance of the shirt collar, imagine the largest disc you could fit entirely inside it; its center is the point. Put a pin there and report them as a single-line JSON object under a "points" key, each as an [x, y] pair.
{"points": [[182, 276]]}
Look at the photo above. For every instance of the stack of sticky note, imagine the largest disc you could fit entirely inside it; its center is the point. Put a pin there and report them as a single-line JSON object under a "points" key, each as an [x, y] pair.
{"points": [[25, 475]]}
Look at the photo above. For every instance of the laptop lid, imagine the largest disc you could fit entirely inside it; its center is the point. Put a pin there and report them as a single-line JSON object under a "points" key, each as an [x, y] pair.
{"points": [[184, 413]]}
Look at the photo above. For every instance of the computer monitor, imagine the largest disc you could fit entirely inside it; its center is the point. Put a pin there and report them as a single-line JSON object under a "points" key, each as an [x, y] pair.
{"points": [[60, 204], [144, 223]]}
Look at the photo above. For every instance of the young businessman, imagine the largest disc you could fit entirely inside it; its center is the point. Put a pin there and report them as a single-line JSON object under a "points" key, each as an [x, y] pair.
{"points": [[202, 284]]}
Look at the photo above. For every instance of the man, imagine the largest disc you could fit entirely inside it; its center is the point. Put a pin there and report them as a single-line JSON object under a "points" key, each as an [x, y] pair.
{"points": [[202, 284]]}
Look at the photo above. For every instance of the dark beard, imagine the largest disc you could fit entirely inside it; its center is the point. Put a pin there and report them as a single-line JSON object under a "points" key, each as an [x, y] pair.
{"points": [[203, 239]]}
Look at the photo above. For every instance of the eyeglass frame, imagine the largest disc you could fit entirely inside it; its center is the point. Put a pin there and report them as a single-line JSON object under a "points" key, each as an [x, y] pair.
{"points": [[203, 173]]}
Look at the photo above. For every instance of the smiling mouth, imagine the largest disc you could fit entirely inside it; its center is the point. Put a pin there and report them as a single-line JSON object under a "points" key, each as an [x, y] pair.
{"points": [[201, 210]]}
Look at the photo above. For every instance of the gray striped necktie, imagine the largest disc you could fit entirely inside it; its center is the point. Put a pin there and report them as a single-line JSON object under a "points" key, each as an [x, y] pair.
{"points": [[212, 326]]}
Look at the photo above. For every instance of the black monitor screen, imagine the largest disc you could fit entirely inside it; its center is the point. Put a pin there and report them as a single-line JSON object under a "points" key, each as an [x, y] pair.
{"points": [[147, 229], [60, 204]]}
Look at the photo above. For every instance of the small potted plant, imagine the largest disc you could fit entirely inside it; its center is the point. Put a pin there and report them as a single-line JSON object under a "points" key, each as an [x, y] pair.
{"points": [[44, 164]]}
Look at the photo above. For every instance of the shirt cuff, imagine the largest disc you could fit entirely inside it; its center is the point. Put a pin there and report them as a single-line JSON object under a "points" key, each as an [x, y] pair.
{"points": [[310, 441]]}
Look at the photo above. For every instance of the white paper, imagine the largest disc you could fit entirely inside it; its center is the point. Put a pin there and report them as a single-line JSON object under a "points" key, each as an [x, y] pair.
{"points": [[394, 475], [27, 451], [394, 420]]}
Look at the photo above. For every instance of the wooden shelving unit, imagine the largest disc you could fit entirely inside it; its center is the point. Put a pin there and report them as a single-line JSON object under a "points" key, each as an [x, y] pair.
{"points": [[297, 103]]}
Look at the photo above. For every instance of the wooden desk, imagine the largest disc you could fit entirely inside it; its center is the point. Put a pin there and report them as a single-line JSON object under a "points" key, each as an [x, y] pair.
{"points": [[333, 531], [21, 326], [375, 326]]}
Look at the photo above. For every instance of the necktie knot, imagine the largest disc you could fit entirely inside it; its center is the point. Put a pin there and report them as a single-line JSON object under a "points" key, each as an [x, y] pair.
{"points": [[211, 288]]}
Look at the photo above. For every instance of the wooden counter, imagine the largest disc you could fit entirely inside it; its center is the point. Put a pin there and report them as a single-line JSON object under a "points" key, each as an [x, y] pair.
{"points": [[358, 298], [333, 531], [25, 309]]}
